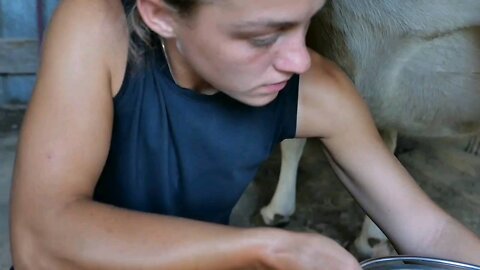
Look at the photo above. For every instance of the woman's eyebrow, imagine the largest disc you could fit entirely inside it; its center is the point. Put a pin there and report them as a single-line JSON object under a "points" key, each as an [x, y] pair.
{"points": [[271, 24]]}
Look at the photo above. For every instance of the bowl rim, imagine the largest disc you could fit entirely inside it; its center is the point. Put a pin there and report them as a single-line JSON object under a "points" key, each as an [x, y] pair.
{"points": [[418, 259]]}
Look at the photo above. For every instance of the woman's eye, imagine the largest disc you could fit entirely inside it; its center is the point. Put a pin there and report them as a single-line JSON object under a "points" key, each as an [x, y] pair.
{"points": [[264, 41]]}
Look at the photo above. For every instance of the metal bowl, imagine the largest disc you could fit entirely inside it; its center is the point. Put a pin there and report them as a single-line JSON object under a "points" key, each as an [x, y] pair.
{"points": [[415, 263]]}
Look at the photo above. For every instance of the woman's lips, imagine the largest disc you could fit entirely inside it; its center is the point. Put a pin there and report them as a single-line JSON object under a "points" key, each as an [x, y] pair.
{"points": [[276, 87]]}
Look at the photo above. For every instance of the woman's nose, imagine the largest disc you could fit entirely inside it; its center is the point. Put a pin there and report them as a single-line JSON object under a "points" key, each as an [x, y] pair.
{"points": [[293, 57]]}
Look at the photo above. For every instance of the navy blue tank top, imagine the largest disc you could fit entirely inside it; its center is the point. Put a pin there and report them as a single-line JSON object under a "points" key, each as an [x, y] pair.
{"points": [[177, 152]]}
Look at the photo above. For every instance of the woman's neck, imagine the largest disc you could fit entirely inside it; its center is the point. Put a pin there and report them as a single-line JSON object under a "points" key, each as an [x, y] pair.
{"points": [[182, 73]]}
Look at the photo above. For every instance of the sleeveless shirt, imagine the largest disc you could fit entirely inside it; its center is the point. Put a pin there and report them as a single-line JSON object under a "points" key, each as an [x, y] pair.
{"points": [[176, 152]]}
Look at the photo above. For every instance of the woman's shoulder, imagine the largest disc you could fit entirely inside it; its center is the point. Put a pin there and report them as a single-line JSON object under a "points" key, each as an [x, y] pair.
{"points": [[325, 82], [325, 91], [96, 24], [324, 74], [91, 29]]}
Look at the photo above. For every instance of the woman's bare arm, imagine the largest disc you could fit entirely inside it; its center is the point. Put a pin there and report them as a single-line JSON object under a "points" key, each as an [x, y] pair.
{"points": [[333, 110], [63, 147]]}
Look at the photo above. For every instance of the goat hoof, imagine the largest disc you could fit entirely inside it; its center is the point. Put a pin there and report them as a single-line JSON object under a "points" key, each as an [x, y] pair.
{"points": [[373, 248], [274, 219]]}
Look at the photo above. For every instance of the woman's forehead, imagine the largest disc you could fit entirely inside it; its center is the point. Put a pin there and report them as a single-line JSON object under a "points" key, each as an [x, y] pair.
{"points": [[258, 11], [262, 4]]}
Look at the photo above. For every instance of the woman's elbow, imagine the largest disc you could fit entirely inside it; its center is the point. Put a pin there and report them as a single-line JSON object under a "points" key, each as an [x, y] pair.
{"points": [[30, 245]]}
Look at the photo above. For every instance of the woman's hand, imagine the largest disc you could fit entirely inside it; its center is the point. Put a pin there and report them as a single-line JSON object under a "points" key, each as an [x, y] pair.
{"points": [[303, 251]]}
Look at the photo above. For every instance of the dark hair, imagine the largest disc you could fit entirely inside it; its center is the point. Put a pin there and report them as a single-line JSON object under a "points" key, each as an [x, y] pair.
{"points": [[142, 39]]}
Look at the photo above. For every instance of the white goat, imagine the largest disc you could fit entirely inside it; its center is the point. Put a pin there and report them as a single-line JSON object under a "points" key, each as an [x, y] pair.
{"points": [[415, 62]]}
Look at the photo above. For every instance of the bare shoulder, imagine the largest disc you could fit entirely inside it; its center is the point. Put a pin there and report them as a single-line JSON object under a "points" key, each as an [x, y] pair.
{"points": [[104, 21], [328, 101], [67, 128], [91, 30]]}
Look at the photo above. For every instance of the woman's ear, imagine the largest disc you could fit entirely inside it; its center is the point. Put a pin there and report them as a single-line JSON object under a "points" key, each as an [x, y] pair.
{"points": [[158, 16]]}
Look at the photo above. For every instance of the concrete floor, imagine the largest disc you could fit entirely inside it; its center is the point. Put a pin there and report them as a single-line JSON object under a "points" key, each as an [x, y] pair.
{"points": [[324, 206]]}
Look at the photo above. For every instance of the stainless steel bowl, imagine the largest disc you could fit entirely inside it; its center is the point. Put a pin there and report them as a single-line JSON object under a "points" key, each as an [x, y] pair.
{"points": [[415, 263]]}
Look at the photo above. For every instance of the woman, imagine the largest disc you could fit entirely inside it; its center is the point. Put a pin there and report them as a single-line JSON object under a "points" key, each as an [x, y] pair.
{"points": [[136, 163]]}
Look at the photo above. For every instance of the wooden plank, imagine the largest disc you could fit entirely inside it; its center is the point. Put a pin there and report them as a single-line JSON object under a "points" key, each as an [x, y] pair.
{"points": [[19, 18], [18, 56], [19, 88], [3, 91]]}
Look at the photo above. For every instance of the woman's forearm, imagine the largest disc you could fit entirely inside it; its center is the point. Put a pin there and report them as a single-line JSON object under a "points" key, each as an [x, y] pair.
{"points": [[456, 242], [90, 235]]}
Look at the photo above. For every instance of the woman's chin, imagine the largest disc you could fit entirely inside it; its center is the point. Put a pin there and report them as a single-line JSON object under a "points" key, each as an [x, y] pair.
{"points": [[259, 101]]}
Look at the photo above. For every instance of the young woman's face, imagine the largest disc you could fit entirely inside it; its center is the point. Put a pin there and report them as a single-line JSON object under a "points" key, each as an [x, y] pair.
{"points": [[247, 49]]}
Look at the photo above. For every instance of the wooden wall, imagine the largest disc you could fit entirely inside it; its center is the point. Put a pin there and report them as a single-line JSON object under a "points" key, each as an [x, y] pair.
{"points": [[19, 47]]}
